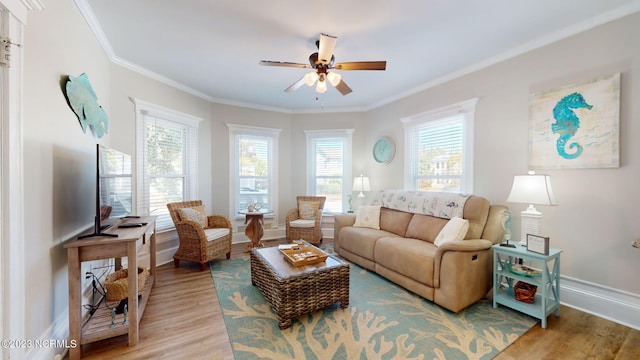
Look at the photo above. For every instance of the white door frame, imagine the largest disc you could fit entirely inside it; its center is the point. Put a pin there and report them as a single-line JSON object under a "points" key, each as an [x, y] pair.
{"points": [[12, 250]]}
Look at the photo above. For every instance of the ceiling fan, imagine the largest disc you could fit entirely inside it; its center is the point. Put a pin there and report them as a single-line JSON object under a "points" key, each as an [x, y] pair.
{"points": [[323, 61]]}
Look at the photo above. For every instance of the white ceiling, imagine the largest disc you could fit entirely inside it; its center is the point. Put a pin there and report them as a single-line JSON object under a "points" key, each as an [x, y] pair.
{"points": [[212, 47]]}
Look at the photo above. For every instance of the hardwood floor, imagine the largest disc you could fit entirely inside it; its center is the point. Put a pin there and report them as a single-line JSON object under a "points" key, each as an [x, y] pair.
{"points": [[183, 321]]}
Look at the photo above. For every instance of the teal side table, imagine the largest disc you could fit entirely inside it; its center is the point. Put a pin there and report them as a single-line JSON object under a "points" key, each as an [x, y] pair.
{"points": [[547, 298]]}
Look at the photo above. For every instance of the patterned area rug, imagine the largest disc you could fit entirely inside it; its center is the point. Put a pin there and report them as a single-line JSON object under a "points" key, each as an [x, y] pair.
{"points": [[383, 321]]}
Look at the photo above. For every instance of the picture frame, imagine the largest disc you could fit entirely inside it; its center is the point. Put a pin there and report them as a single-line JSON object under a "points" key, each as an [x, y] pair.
{"points": [[538, 244], [576, 126]]}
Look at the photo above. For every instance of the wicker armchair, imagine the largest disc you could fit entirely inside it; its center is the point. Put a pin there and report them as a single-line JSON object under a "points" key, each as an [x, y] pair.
{"points": [[305, 221], [197, 243]]}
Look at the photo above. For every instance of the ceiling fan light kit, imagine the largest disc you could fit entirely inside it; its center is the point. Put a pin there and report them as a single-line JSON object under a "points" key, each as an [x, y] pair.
{"points": [[321, 62], [311, 78], [334, 78], [322, 85]]}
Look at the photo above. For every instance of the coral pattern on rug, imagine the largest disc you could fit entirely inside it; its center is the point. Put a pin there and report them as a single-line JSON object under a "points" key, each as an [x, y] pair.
{"points": [[383, 321]]}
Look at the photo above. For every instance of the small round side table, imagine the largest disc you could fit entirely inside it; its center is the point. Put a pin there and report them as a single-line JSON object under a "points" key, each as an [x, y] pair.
{"points": [[254, 230]]}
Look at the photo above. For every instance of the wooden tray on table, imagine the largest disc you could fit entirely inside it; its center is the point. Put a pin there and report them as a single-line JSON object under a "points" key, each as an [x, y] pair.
{"points": [[304, 255]]}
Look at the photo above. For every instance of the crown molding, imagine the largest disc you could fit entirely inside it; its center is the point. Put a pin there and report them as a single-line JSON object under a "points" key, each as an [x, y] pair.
{"points": [[33, 4], [522, 49], [589, 24]]}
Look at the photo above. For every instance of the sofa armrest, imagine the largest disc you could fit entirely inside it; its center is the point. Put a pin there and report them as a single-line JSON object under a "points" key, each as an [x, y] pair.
{"points": [[340, 221], [458, 251], [465, 245]]}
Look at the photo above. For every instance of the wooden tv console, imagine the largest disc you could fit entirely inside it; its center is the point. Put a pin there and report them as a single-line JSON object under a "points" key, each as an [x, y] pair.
{"points": [[127, 244]]}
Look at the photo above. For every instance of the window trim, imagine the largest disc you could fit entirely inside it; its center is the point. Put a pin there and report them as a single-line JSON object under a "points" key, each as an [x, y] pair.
{"points": [[466, 108], [274, 134], [347, 161], [175, 118]]}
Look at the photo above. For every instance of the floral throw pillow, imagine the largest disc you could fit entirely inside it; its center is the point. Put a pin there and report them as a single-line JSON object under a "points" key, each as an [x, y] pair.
{"points": [[307, 209], [196, 213]]}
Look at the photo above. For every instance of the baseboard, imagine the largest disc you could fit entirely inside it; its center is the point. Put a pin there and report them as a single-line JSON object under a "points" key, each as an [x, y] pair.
{"points": [[53, 341], [276, 232], [612, 304], [269, 234]]}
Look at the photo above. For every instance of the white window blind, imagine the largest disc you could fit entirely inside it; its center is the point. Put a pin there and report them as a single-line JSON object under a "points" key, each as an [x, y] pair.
{"points": [[440, 155], [329, 169], [253, 164], [439, 145], [167, 160], [329, 166]]}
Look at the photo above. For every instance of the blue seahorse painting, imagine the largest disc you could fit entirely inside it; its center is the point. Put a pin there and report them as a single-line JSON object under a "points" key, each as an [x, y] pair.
{"points": [[567, 123]]}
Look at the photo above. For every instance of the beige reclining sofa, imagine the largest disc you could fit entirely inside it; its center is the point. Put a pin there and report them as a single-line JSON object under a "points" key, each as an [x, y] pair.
{"points": [[399, 244]]}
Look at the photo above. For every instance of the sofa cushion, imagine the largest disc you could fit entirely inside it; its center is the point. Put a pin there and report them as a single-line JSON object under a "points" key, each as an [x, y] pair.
{"points": [[412, 258], [361, 241], [425, 227], [455, 230], [394, 221], [302, 223], [368, 217], [215, 233]]}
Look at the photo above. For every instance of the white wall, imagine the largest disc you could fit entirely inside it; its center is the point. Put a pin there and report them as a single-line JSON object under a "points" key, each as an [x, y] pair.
{"points": [[58, 157], [596, 217], [594, 223], [597, 214]]}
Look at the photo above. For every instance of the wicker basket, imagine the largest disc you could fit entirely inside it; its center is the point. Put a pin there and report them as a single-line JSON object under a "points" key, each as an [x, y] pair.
{"points": [[117, 284], [525, 292]]}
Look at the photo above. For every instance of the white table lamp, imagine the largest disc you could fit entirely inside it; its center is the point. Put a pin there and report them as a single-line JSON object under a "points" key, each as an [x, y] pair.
{"points": [[361, 184], [533, 190]]}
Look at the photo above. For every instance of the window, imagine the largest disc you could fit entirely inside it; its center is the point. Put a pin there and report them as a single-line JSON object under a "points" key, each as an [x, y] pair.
{"points": [[254, 151], [439, 149], [329, 166], [166, 162]]}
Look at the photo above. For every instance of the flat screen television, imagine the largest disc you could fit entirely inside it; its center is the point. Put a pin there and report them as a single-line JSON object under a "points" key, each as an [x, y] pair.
{"points": [[113, 188]]}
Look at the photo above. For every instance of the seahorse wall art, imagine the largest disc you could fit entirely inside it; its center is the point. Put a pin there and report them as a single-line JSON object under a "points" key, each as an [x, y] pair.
{"points": [[567, 124]]}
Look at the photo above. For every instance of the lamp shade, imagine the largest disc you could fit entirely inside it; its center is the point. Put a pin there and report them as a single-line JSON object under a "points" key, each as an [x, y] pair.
{"points": [[310, 78], [361, 184], [334, 78], [532, 189], [321, 87]]}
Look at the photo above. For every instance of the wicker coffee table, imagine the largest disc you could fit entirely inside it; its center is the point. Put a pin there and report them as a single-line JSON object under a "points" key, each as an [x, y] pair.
{"points": [[297, 290]]}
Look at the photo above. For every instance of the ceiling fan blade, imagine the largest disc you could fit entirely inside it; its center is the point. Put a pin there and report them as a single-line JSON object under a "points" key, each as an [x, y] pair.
{"points": [[295, 86], [326, 47], [284, 64], [361, 65], [343, 88]]}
